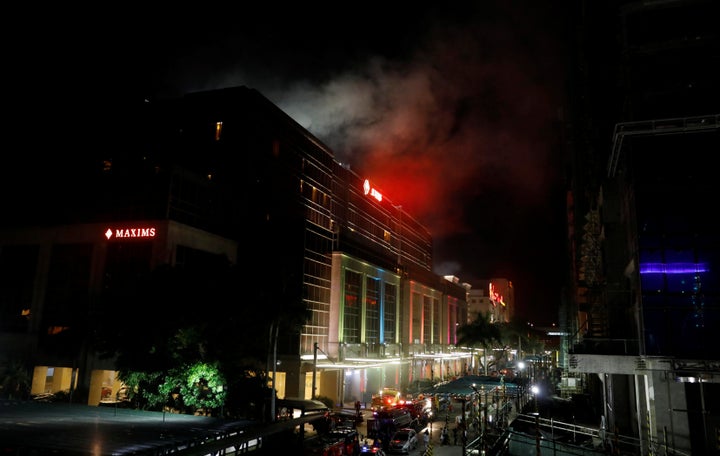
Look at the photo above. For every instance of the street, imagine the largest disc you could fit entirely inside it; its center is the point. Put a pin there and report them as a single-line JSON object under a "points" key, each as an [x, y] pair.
{"points": [[435, 428]]}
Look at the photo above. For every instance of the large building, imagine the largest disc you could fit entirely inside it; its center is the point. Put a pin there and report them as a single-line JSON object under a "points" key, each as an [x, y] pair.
{"points": [[226, 176], [643, 311]]}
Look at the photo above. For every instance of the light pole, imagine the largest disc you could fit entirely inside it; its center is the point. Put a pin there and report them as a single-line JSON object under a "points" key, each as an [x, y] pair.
{"points": [[221, 389], [535, 390], [503, 411], [485, 409], [274, 327], [314, 378], [464, 422], [538, 451], [477, 395], [521, 367], [495, 408], [521, 387]]}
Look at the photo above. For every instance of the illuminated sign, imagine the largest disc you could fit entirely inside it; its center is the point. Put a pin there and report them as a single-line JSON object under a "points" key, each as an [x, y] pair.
{"points": [[368, 190], [673, 268], [495, 296], [129, 233]]}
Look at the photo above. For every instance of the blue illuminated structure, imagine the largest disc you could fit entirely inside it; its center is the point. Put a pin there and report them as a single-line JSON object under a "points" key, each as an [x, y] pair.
{"points": [[673, 268]]}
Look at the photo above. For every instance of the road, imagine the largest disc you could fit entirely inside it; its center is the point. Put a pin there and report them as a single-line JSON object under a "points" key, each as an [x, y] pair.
{"points": [[77, 430], [434, 428]]}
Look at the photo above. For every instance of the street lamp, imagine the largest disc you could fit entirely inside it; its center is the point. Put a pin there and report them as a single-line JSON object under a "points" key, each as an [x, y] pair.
{"points": [[464, 425], [482, 420], [535, 390], [221, 389], [314, 376], [503, 411], [521, 367], [538, 450]]}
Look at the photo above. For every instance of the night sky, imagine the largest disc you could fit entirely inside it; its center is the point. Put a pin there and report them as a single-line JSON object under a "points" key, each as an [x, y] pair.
{"points": [[455, 112]]}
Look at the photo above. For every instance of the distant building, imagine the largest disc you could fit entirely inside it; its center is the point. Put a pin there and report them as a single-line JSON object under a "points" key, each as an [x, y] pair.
{"points": [[494, 296]]}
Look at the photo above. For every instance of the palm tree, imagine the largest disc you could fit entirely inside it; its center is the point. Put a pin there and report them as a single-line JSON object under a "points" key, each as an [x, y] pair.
{"points": [[480, 332], [515, 334]]}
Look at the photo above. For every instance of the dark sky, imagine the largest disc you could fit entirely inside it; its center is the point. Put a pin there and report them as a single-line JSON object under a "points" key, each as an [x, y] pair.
{"points": [[453, 111]]}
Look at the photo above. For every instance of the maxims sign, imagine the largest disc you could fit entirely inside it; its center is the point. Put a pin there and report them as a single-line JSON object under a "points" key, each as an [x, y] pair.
{"points": [[130, 233]]}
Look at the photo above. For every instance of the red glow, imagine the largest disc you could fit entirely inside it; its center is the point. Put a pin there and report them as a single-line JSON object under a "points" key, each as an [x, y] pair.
{"points": [[416, 183]]}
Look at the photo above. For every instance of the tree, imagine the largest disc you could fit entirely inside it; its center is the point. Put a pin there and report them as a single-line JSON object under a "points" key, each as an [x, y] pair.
{"points": [[518, 334], [480, 332], [215, 314], [15, 380]]}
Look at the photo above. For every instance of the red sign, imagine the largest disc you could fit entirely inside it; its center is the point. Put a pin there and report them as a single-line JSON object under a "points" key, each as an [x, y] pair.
{"points": [[368, 190]]}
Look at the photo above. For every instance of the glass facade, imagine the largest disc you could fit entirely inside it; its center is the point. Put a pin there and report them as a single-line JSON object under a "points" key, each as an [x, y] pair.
{"points": [[427, 314], [372, 311], [679, 254], [390, 313], [351, 311]]}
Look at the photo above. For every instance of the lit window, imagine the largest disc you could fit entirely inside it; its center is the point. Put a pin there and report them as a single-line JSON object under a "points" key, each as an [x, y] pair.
{"points": [[218, 130]]}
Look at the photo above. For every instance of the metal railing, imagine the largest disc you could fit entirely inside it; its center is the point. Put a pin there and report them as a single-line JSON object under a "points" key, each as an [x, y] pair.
{"points": [[559, 438]]}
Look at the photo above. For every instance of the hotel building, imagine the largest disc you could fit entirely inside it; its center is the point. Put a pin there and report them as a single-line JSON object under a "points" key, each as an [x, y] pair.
{"points": [[227, 175]]}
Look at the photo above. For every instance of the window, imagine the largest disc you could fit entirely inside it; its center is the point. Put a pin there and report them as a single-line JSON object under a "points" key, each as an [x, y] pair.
{"points": [[389, 313], [351, 320], [427, 320], [372, 310]]}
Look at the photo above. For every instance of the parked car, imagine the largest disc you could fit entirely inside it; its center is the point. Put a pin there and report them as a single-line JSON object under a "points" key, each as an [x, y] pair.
{"points": [[403, 441]]}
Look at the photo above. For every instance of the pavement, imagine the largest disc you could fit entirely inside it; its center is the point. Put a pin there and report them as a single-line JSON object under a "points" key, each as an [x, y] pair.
{"points": [[31, 428]]}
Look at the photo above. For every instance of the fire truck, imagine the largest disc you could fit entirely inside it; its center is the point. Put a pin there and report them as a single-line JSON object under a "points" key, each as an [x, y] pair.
{"points": [[386, 398]]}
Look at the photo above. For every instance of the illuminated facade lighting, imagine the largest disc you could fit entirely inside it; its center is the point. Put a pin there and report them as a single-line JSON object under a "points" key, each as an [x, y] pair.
{"points": [[673, 268]]}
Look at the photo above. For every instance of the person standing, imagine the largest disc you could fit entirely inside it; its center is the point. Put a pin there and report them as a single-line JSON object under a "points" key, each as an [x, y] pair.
{"points": [[356, 446], [444, 437], [426, 439]]}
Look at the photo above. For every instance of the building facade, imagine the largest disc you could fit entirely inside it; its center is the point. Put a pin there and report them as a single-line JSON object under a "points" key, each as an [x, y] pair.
{"points": [[226, 176], [493, 296], [644, 301]]}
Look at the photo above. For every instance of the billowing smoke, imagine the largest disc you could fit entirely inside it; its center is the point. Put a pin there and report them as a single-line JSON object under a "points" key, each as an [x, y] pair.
{"points": [[462, 130]]}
